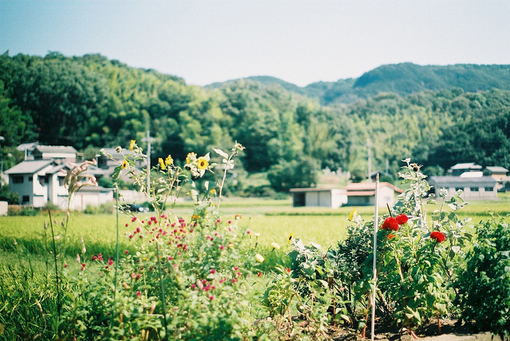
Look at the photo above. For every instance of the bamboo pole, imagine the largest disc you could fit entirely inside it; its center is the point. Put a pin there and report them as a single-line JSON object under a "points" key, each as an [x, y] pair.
{"points": [[374, 269]]}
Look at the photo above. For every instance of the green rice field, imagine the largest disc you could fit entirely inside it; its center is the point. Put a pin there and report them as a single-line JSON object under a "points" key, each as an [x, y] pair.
{"points": [[275, 220]]}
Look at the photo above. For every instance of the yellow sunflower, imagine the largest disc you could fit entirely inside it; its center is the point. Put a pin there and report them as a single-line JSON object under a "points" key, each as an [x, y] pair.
{"points": [[132, 145], [202, 163], [169, 160], [124, 164]]}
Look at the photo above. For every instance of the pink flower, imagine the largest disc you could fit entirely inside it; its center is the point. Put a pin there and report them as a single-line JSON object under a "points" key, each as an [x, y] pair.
{"points": [[402, 219], [138, 294], [213, 271], [234, 280], [211, 297], [438, 236], [221, 247]]}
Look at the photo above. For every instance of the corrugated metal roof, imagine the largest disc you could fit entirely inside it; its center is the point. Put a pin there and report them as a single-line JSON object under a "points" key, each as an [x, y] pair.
{"points": [[457, 180], [29, 167]]}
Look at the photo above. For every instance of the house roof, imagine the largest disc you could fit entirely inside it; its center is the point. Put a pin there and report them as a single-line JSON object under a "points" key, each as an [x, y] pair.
{"points": [[369, 186], [451, 181], [29, 166], [27, 146], [497, 169], [468, 165], [56, 149]]}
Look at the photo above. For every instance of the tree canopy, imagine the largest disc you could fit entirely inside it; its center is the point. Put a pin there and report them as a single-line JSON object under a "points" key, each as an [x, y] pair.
{"points": [[93, 102]]}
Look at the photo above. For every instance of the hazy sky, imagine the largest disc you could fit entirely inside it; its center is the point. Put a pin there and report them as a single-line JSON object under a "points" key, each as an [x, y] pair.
{"points": [[299, 41]]}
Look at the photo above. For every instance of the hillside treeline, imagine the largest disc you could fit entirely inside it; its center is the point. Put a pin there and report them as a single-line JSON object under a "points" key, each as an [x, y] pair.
{"points": [[91, 102], [402, 79]]}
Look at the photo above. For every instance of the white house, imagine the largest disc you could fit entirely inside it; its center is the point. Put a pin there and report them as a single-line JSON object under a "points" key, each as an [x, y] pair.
{"points": [[41, 181], [461, 168], [318, 197], [363, 194], [473, 187], [34, 151]]}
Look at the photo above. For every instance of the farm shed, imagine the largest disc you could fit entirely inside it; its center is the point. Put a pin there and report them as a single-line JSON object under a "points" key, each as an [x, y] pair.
{"points": [[474, 188], [363, 194], [318, 197]]}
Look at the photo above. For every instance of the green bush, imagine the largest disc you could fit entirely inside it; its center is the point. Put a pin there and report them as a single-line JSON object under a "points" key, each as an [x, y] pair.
{"points": [[484, 284]]}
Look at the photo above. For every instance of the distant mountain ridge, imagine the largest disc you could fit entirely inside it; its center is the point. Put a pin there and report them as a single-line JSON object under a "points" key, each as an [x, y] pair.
{"points": [[402, 79]]}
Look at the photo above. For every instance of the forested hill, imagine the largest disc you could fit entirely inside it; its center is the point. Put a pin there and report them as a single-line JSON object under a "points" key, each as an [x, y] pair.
{"points": [[402, 79], [91, 102]]}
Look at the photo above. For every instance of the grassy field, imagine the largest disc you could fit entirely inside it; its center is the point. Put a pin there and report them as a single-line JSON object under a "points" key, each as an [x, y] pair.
{"points": [[275, 220]]}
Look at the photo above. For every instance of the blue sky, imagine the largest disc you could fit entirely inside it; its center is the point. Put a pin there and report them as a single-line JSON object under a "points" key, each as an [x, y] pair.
{"points": [[299, 41]]}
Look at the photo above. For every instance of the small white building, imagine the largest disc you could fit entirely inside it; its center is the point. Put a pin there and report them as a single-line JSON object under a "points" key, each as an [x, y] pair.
{"points": [[318, 197], [363, 194], [41, 181], [473, 187]]}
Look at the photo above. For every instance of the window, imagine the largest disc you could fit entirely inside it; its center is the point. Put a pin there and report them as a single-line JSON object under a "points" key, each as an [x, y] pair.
{"points": [[489, 189], [26, 199], [61, 181], [30, 178], [17, 179], [473, 189], [459, 189]]}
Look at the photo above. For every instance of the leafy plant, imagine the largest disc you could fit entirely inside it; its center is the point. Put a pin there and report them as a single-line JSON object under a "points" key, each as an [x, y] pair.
{"points": [[483, 284]]}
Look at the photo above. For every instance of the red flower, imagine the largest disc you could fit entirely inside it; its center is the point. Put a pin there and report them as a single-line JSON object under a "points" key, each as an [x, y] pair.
{"points": [[402, 219], [391, 236], [438, 236], [390, 223]]}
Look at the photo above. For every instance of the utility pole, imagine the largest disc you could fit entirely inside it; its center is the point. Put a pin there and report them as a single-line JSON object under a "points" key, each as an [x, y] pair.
{"points": [[369, 160]]}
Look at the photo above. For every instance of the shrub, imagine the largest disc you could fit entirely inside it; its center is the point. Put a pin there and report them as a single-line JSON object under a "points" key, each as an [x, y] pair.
{"points": [[484, 283]]}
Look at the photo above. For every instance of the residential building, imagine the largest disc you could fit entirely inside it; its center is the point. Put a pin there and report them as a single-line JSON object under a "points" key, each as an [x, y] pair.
{"points": [[461, 168], [35, 151], [41, 181]]}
